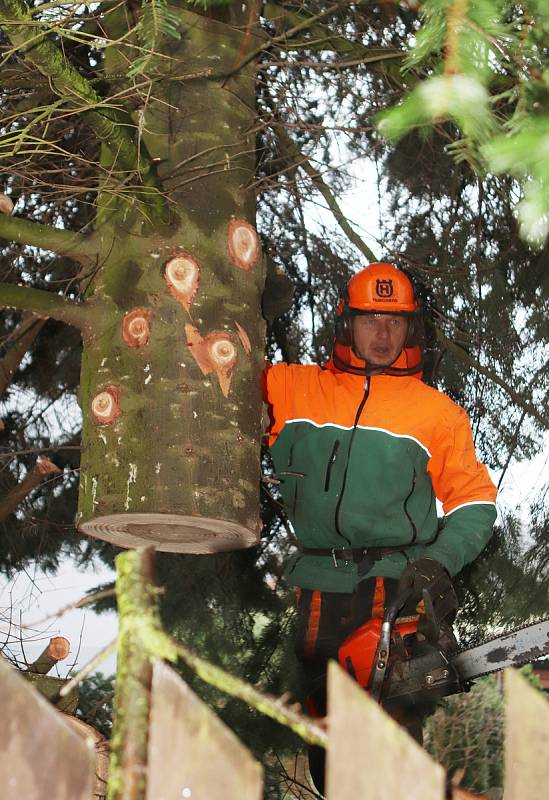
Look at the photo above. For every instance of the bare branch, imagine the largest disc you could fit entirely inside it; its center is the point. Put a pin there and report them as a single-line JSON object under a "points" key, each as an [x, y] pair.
{"points": [[23, 335], [12, 499], [296, 21], [66, 243], [45, 304], [301, 161], [517, 398]]}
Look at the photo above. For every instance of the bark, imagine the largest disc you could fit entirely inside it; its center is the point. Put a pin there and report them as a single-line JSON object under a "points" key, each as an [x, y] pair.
{"points": [[173, 337], [23, 336], [12, 499], [169, 388], [137, 607]]}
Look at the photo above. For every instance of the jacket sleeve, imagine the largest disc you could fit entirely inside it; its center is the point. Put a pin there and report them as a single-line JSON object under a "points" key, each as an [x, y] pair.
{"points": [[277, 393], [466, 491]]}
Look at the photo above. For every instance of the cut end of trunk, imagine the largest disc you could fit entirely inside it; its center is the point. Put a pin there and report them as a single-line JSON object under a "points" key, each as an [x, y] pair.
{"points": [[171, 533], [59, 648]]}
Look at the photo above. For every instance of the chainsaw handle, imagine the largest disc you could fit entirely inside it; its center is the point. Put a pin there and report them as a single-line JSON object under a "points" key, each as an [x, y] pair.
{"points": [[382, 655], [393, 609]]}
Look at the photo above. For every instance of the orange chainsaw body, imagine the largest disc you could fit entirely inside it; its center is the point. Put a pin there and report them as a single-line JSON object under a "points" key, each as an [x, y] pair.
{"points": [[357, 654]]}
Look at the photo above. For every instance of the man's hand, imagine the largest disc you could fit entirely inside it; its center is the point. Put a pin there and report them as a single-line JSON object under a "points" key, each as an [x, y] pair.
{"points": [[429, 581], [417, 575]]}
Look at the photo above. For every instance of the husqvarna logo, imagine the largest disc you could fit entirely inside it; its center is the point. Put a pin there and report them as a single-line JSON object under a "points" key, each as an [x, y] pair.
{"points": [[384, 288]]}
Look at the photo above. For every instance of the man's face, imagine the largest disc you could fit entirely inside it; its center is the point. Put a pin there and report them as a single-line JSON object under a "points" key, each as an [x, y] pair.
{"points": [[379, 338]]}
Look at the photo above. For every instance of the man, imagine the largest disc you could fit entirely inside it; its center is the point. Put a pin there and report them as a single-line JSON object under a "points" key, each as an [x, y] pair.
{"points": [[363, 448]]}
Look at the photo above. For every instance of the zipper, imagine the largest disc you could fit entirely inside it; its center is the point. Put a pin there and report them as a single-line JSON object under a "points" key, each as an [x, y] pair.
{"points": [[331, 462], [410, 520], [355, 424]]}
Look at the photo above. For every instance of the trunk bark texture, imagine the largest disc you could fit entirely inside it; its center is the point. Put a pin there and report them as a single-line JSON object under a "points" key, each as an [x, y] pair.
{"points": [[137, 607], [169, 385]]}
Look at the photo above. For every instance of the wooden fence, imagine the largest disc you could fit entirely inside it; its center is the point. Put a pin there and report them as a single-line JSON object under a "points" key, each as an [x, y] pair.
{"points": [[192, 755]]}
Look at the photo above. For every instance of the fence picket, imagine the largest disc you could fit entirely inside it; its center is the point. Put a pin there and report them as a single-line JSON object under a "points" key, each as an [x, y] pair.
{"points": [[369, 755], [526, 740], [192, 754], [40, 755]]}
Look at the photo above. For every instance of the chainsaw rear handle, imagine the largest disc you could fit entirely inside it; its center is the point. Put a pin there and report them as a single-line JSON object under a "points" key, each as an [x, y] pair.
{"points": [[382, 655]]}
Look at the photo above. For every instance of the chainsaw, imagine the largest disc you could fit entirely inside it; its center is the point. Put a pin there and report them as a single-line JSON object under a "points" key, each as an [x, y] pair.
{"points": [[385, 657]]}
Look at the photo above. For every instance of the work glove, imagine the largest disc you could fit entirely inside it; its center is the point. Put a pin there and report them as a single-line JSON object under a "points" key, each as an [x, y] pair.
{"points": [[430, 586]]}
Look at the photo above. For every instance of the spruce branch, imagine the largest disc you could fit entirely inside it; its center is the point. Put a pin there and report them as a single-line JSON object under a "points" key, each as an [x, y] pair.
{"points": [[63, 242], [109, 124], [157, 20], [322, 37], [45, 304], [293, 152], [462, 354]]}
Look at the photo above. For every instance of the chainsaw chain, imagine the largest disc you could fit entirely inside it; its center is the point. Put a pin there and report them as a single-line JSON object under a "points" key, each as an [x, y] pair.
{"points": [[495, 638]]}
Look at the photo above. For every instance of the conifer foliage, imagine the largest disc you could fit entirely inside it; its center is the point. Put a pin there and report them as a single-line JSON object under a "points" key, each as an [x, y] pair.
{"points": [[124, 126]]}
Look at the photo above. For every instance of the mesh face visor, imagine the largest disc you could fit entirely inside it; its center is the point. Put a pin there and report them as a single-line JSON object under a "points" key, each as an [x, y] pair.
{"points": [[408, 362], [379, 289]]}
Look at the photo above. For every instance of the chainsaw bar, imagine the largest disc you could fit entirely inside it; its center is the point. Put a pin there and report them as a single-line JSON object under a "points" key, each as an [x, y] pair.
{"points": [[520, 646]]}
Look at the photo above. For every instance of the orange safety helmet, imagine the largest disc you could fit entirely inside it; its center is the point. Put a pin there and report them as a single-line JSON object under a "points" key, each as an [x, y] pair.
{"points": [[379, 288]]}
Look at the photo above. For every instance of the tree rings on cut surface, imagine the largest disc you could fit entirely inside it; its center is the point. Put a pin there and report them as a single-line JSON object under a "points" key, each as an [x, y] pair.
{"points": [[105, 405], [172, 533], [182, 274], [243, 243], [136, 327]]}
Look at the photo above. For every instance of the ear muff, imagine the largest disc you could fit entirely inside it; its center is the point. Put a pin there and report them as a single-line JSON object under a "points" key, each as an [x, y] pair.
{"points": [[343, 328], [416, 333]]}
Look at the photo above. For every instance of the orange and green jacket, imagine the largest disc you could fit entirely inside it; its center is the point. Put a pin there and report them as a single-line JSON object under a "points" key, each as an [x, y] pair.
{"points": [[361, 463]]}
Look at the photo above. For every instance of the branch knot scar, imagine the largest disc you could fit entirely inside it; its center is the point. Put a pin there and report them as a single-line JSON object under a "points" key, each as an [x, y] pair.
{"points": [[136, 327], [105, 405], [243, 244]]}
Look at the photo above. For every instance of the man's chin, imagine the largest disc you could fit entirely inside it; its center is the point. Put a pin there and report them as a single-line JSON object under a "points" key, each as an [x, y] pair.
{"points": [[378, 360]]}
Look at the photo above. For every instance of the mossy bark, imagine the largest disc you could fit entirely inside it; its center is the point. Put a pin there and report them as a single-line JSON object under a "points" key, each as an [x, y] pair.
{"points": [[137, 607], [170, 450]]}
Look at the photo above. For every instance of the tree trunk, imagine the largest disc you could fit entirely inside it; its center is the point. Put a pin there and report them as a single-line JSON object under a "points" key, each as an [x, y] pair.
{"points": [[169, 384]]}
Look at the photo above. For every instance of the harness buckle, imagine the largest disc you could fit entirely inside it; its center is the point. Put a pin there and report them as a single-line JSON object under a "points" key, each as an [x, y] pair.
{"points": [[334, 559]]}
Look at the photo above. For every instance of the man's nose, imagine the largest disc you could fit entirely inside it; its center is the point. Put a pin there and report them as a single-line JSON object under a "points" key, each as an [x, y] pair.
{"points": [[382, 329]]}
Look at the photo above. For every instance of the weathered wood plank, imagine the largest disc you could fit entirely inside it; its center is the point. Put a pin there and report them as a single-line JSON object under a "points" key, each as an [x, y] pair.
{"points": [[369, 755], [192, 754], [526, 740], [40, 756]]}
